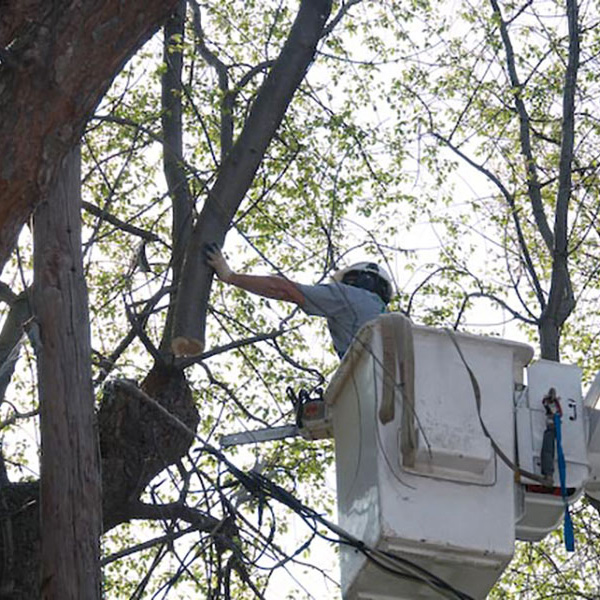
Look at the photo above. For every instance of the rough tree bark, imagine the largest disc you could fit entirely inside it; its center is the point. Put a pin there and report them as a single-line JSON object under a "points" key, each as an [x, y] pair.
{"points": [[238, 169], [71, 509], [57, 59]]}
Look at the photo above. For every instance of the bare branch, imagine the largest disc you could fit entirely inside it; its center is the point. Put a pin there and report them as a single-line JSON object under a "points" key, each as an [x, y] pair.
{"points": [[169, 537], [221, 68], [137, 325], [344, 8], [152, 135], [16, 416], [110, 185], [118, 223], [533, 184], [175, 511], [496, 300], [107, 363], [232, 396], [251, 73], [270, 335], [514, 211]]}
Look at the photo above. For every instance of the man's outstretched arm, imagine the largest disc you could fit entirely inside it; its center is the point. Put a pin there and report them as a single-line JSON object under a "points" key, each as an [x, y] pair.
{"points": [[268, 286]]}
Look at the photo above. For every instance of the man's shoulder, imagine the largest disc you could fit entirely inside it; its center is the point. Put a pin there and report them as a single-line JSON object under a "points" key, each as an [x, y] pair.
{"points": [[322, 298], [332, 289], [328, 298], [318, 289]]}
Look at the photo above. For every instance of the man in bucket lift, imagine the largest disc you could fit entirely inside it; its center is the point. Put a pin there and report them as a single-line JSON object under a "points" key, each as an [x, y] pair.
{"points": [[357, 294]]}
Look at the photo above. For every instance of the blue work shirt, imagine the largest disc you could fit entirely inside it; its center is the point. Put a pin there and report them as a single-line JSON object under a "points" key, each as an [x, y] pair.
{"points": [[346, 308]]}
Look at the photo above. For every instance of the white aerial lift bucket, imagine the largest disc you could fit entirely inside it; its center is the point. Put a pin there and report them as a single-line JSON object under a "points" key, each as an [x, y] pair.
{"points": [[441, 460], [424, 482]]}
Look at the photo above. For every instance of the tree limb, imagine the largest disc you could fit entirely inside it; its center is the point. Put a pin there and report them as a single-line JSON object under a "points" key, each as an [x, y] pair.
{"points": [[561, 300], [510, 200], [168, 537], [493, 298], [226, 103], [175, 511], [238, 170], [344, 8], [118, 223], [173, 162], [533, 184], [250, 341]]}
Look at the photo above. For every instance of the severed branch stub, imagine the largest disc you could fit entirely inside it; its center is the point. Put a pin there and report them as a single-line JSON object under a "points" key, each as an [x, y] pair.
{"points": [[187, 346]]}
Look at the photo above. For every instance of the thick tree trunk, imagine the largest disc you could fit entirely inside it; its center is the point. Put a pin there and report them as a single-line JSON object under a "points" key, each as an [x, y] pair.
{"points": [[57, 59], [549, 333], [137, 442], [238, 170], [71, 519]]}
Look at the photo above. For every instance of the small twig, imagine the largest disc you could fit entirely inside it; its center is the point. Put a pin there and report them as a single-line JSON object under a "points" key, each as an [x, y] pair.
{"points": [[232, 396], [124, 226], [271, 335], [338, 17], [142, 335], [145, 545], [16, 416]]}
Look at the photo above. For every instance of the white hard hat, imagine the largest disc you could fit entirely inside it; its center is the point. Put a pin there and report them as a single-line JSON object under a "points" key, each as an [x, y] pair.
{"points": [[372, 268]]}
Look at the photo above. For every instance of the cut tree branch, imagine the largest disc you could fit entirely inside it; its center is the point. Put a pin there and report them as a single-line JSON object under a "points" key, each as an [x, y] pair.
{"points": [[493, 298], [173, 160]]}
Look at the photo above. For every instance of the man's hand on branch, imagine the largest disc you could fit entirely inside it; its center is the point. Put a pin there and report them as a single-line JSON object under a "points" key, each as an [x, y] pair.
{"points": [[217, 261]]}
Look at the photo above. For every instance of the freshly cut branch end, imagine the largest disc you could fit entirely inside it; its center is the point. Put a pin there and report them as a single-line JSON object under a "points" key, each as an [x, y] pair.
{"points": [[183, 346]]}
